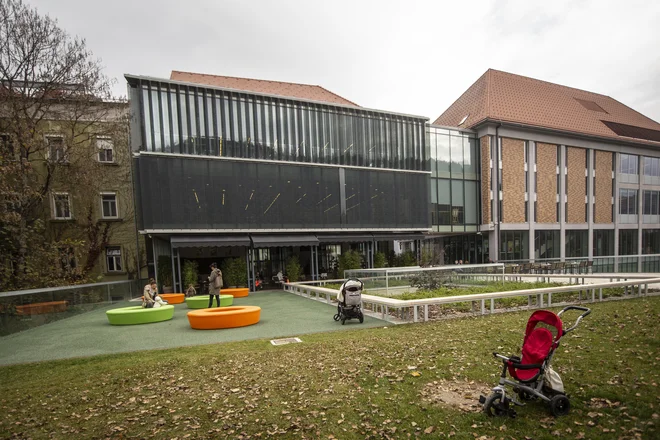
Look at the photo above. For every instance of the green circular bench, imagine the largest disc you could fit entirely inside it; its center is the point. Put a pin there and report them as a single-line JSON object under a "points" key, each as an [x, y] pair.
{"points": [[202, 301], [139, 315]]}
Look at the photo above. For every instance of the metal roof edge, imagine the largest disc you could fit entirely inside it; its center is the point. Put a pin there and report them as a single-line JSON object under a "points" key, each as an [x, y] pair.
{"points": [[130, 77]]}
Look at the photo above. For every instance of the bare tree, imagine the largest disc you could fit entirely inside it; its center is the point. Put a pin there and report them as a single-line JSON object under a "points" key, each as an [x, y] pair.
{"points": [[50, 83]]}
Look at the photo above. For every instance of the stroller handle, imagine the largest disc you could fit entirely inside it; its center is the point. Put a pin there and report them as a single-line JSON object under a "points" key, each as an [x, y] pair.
{"points": [[586, 311]]}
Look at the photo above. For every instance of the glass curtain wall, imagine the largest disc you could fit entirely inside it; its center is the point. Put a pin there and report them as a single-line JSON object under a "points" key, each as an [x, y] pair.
{"points": [[195, 120], [514, 245], [577, 244], [546, 245], [603, 242], [454, 160]]}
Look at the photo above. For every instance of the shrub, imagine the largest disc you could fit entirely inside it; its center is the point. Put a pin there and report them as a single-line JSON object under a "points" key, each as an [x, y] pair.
{"points": [[293, 270], [240, 271], [406, 259], [234, 272], [379, 260], [190, 273], [165, 270], [349, 260]]}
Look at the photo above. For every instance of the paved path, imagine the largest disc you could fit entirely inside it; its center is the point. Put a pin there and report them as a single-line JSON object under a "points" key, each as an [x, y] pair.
{"points": [[89, 334]]}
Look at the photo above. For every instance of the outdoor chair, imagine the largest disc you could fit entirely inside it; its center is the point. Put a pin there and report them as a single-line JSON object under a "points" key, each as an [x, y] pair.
{"points": [[582, 268], [552, 268], [526, 268], [561, 267], [535, 268], [589, 266]]}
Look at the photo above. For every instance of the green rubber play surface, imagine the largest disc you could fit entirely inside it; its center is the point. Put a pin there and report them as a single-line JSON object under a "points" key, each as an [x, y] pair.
{"points": [[282, 314]]}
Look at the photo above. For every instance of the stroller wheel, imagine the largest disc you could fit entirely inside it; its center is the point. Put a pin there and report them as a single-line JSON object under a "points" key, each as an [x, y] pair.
{"points": [[361, 318], [560, 405], [494, 407], [343, 320], [336, 317]]}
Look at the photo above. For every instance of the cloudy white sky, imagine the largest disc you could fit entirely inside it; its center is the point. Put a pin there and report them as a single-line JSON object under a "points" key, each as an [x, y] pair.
{"points": [[407, 56]]}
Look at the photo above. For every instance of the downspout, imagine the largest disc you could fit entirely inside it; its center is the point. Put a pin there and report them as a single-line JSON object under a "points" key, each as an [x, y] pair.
{"points": [[496, 166]]}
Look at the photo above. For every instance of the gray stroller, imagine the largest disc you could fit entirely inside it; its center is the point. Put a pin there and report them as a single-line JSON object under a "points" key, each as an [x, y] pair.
{"points": [[349, 301]]}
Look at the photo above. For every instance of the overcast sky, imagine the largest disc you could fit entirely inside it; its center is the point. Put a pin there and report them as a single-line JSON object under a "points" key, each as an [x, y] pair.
{"points": [[409, 56]]}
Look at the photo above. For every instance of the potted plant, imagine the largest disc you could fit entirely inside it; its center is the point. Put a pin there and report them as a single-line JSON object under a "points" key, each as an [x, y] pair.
{"points": [[292, 267], [379, 260], [228, 279], [165, 273], [349, 260], [240, 272], [190, 273]]}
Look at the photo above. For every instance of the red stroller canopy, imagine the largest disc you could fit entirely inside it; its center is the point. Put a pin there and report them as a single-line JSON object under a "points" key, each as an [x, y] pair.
{"points": [[538, 343], [545, 317]]}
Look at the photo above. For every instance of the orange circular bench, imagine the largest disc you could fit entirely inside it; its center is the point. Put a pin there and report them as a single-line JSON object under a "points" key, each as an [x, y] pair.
{"points": [[224, 317], [171, 298], [236, 292], [41, 308]]}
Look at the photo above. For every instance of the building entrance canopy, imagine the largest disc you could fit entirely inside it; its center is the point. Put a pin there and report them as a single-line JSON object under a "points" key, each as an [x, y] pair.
{"points": [[188, 241], [266, 241]]}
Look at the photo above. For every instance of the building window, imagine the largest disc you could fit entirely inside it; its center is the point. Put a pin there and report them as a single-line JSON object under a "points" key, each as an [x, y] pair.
{"points": [[56, 149], [109, 205], [546, 244], [652, 166], [628, 164], [650, 202], [628, 241], [627, 201], [603, 242], [62, 206], [106, 149], [113, 259], [576, 243], [513, 245], [651, 241]]}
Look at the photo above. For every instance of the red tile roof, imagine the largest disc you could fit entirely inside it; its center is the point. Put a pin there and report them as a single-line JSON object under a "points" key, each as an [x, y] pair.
{"points": [[505, 97], [284, 89]]}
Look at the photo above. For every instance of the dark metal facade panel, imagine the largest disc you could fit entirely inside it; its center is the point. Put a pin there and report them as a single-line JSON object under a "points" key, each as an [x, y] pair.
{"points": [[265, 241], [210, 241], [401, 236], [345, 238], [195, 193]]}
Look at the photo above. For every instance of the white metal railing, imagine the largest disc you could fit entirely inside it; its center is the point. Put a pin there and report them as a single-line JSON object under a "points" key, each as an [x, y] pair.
{"points": [[382, 306]]}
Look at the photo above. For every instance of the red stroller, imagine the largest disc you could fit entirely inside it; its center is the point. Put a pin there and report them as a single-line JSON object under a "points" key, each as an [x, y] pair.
{"points": [[534, 377]]}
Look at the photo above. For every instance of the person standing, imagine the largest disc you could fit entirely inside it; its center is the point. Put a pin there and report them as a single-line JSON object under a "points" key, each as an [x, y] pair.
{"points": [[215, 284]]}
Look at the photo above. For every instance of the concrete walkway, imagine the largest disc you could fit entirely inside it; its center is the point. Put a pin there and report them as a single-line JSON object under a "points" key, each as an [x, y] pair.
{"points": [[89, 334]]}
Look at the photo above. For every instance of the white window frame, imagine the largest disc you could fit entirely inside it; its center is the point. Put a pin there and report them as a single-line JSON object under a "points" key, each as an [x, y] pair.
{"points": [[112, 148], [109, 193], [65, 148], [107, 260], [54, 200]]}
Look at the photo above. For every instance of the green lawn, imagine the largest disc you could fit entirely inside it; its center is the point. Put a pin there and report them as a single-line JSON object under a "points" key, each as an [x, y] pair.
{"points": [[366, 383]]}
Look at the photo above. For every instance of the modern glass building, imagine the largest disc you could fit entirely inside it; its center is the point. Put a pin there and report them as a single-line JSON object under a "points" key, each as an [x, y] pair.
{"points": [[455, 195], [231, 173]]}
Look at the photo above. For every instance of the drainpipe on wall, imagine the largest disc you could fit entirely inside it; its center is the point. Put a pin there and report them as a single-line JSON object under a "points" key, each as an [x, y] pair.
{"points": [[496, 167]]}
